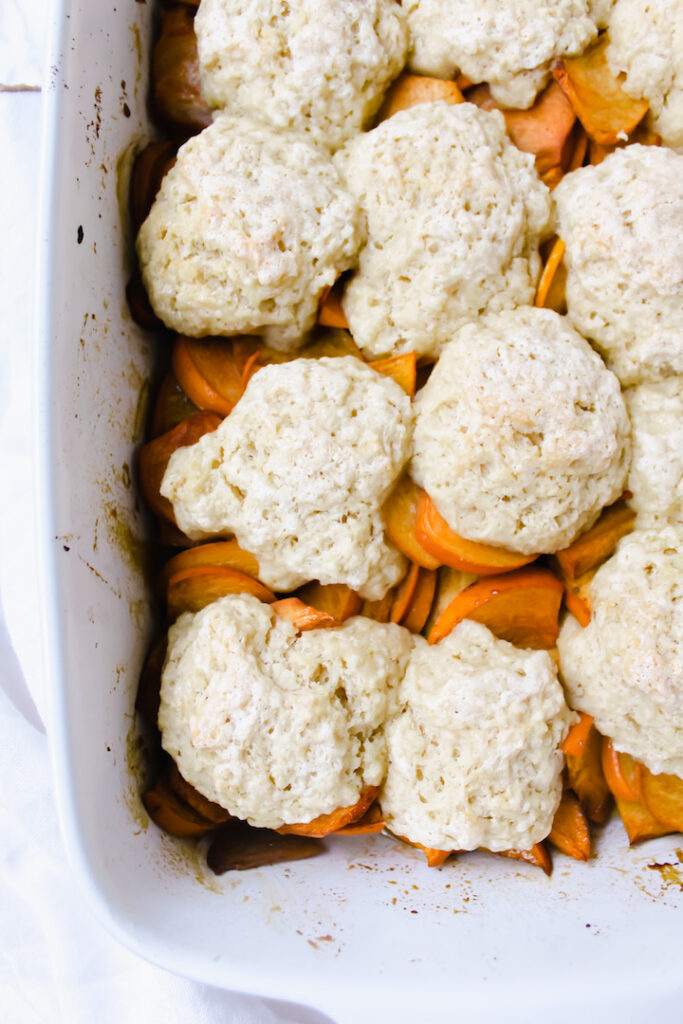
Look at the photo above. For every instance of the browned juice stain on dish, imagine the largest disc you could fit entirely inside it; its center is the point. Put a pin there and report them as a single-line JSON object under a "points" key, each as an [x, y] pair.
{"points": [[183, 857], [137, 767], [670, 873], [141, 410], [137, 44], [179, 856], [124, 166]]}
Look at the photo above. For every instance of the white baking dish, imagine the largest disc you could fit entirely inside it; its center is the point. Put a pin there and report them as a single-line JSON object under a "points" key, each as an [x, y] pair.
{"points": [[368, 932]]}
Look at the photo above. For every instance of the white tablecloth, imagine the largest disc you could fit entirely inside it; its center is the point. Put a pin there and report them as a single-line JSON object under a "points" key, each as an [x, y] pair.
{"points": [[56, 963]]}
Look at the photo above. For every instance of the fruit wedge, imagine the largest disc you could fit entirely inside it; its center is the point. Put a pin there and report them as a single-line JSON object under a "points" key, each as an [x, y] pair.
{"points": [[597, 97], [336, 599], [538, 855], [238, 846], [343, 816], [410, 90], [172, 814], [225, 553], [211, 370], [593, 547], [638, 821], [522, 607], [171, 407], [190, 590], [402, 369], [545, 129], [149, 168], [552, 265], [147, 697], [621, 772], [585, 774], [372, 823], [330, 312], [154, 456], [302, 616], [433, 533], [176, 85], [570, 832], [662, 795], [209, 810], [400, 518], [380, 610]]}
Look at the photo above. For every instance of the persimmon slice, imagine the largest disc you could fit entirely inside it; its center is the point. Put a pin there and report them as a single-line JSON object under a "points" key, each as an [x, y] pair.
{"points": [[400, 517], [585, 774], [449, 583], [436, 537], [522, 607], [579, 148], [330, 312], [662, 795], [302, 616], [594, 546], [380, 610], [545, 129], [404, 593], [642, 135], [578, 606], [372, 823], [172, 814], [172, 406], [638, 821], [194, 385], [238, 846], [570, 832], [211, 370], [226, 553], [538, 855], [149, 168], [597, 97], [175, 79], [577, 737], [549, 270], [149, 685], [209, 810], [410, 90], [402, 369], [435, 858], [154, 456], [336, 599], [421, 602], [190, 590], [139, 305], [334, 343], [620, 772], [343, 816]]}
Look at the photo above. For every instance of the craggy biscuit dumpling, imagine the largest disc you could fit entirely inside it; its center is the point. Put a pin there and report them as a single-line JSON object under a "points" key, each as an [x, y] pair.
{"points": [[511, 44], [274, 726], [248, 228], [622, 223], [646, 44], [455, 213], [521, 433], [474, 758], [656, 477], [626, 667], [299, 471], [320, 66]]}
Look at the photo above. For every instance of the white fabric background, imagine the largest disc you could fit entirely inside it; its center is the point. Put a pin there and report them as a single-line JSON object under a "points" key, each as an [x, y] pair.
{"points": [[56, 963]]}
